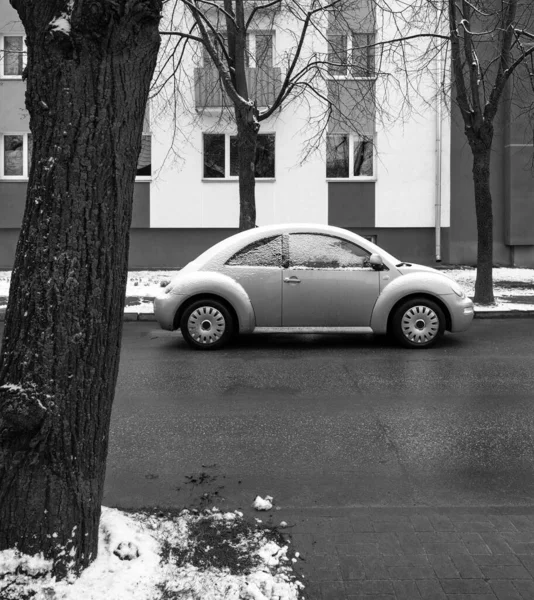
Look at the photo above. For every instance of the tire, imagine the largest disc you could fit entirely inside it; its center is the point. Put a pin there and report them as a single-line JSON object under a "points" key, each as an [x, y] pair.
{"points": [[418, 323], [207, 325]]}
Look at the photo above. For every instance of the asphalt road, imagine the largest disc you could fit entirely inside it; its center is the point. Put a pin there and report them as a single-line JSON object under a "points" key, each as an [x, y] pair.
{"points": [[325, 420]]}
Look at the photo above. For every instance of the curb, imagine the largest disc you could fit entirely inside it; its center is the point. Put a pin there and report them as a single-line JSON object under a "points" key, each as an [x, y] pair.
{"points": [[481, 314]]}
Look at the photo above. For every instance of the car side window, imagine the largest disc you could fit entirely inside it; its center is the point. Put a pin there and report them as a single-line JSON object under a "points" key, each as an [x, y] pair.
{"points": [[266, 252], [318, 251]]}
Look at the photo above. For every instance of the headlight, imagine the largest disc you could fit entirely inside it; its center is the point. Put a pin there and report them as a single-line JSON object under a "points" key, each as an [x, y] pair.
{"points": [[457, 290]]}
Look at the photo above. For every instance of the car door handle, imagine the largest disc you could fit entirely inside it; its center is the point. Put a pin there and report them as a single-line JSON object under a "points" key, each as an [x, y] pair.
{"points": [[291, 280]]}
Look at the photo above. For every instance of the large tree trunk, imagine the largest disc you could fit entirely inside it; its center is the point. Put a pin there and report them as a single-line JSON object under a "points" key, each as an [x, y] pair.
{"points": [[86, 94], [247, 137], [481, 148]]}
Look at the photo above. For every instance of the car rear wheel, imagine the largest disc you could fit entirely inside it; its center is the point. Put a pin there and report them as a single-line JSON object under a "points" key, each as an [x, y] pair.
{"points": [[418, 323], [206, 325]]}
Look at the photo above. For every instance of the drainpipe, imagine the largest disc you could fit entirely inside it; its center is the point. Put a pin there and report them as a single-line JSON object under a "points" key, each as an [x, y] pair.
{"points": [[439, 74]]}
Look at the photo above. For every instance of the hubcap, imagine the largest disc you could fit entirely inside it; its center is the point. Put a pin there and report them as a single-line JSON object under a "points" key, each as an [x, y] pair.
{"points": [[420, 324], [206, 325]]}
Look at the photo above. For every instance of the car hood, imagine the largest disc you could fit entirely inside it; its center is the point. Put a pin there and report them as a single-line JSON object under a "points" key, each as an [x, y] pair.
{"points": [[414, 268]]}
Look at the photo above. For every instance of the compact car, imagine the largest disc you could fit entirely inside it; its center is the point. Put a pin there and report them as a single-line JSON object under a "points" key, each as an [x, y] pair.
{"points": [[309, 276]]}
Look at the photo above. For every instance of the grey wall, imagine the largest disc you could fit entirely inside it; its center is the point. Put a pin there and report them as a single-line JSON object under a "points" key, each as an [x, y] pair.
{"points": [[12, 202], [171, 248], [463, 231], [351, 204], [414, 244]]}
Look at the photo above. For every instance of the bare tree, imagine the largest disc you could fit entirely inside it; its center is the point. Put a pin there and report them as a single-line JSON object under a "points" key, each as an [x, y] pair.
{"points": [[221, 30], [90, 63], [477, 51], [488, 44], [487, 48]]}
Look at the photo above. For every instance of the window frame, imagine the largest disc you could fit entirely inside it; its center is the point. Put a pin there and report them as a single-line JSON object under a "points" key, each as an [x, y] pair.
{"points": [[328, 235], [25, 163], [348, 50], [2, 56], [353, 137], [227, 176]]}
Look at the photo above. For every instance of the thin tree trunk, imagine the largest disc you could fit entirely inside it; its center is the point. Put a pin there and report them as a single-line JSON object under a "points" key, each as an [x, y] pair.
{"points": [[484, 217], [86, 95], [247, 137]]}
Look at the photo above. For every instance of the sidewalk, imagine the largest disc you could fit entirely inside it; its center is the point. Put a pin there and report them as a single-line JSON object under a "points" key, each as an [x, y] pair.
{"points": [[459, 553], [513, 290]]}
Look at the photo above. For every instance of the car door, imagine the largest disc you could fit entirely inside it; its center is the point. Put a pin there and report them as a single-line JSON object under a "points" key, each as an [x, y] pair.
{"points": [[258, 268], [328, 282]]}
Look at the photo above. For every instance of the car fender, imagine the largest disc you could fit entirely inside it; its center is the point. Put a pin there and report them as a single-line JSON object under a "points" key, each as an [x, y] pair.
{"points": [[209, 282], [433, 284]]}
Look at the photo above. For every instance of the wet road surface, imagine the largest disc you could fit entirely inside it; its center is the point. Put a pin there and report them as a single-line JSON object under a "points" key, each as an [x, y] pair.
{"points": [[325, 420]]}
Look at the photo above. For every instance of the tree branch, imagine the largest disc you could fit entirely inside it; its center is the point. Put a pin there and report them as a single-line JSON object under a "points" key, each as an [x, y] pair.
{"points": [[287, 79], [258, 7]]}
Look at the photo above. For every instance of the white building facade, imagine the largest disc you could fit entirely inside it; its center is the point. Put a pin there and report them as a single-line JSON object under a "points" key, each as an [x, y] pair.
{"points": [[368, 167]]}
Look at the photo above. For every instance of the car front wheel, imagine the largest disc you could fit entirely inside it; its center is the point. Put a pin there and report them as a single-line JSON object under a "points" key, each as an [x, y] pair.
{"points": [[206, 325], [418, 323]]}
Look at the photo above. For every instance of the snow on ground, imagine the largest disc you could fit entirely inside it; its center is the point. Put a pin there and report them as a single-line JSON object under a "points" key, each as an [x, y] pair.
{"points": [[510, 285], [172, 559]]}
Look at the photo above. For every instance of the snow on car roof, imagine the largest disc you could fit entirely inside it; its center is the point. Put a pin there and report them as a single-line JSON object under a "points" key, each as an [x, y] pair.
{"points": [[243, 238]]}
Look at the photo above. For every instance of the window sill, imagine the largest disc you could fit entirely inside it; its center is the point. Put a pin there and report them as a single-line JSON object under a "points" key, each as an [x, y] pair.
{"points": [[11, 77], [15, 178], [235, 180], [20, 178], [351, 179], [352, 78]]}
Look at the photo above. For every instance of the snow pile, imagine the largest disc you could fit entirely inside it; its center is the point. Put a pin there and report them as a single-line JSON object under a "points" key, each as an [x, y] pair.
{"points": [[263, 503], [141, 556]]}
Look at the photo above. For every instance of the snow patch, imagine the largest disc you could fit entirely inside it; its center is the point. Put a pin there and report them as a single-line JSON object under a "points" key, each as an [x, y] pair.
{"points": [[148, 573], [263, 503]]}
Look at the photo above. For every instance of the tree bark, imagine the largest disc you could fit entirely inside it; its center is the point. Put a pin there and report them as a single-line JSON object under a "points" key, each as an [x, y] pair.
{"points": [[86, 94], [247, 135], [481, 148]]}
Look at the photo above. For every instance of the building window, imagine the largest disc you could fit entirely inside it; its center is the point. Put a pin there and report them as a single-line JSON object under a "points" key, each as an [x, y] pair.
{"points": [[351, 55], [144, 162], [16, 155], [214, 156], [259, 49], [221, 156], [349, 156], [12, 56], [264, 156]]}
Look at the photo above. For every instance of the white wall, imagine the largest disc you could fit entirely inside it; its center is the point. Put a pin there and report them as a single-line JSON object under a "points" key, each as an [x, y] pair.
{"points": [[179, 197], [405, 165], [406, 187]]}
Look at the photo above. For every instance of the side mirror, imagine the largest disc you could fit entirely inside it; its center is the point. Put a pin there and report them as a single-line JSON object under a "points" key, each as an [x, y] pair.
{"points": [[375, 260]]}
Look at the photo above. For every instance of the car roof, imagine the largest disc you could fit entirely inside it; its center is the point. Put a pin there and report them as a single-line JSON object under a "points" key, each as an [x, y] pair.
{"points": [[239, 240]]}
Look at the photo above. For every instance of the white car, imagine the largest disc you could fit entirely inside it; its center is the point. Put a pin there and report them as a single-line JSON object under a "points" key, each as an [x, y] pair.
{"points": [[307, 275]]}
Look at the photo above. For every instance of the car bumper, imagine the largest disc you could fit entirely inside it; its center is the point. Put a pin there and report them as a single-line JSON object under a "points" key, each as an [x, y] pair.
{"points": [[165, 307], [462, 312]]}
